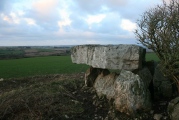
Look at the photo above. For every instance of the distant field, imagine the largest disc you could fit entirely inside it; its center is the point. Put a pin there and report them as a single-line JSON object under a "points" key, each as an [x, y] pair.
{"points": [[15, 68], [26, 52], [151, 56]]}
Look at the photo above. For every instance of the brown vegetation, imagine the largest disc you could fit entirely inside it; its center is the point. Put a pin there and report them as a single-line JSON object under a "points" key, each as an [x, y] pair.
{"points": [[158, 29]]}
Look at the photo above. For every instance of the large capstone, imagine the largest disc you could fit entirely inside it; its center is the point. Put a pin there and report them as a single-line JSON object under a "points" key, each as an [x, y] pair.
{"points": [[128, 57]]}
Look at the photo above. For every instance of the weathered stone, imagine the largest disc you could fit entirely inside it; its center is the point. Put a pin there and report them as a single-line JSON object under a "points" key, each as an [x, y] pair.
{"points": [[157, 116], [129, 91], [162, 85], [151, 65], [146, 76], [131, 94], [105, 85], [129, 57], [173, 108], [92, 73]]}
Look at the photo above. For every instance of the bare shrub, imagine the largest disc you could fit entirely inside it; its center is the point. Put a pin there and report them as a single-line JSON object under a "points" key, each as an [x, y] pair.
{"points": [[158, 29]]}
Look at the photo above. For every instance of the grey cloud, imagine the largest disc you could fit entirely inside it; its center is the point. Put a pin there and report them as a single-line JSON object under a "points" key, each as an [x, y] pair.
{"points": [[109, 25], [108, 31], [78, 22], [116, 4], [2, 5], [89, 6], [132, 9], [49, 22]]}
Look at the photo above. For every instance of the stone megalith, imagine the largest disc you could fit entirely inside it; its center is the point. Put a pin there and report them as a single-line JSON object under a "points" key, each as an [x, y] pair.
{"points": [[162, 85], [105, 85], [173, 108], [128, 90], [128, 57], [131, 93], [92, 73]]}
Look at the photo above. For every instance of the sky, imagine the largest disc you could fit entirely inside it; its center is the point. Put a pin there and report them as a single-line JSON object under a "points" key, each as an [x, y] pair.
{"points": [[70, 22]]}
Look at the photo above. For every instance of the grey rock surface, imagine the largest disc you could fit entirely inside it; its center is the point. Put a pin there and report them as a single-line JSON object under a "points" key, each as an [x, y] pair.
{"points": [[162, 85], [92, 73], [131, 94], [157, 116], [146, 76], [128, 57], [173, 109], [105, 85]]}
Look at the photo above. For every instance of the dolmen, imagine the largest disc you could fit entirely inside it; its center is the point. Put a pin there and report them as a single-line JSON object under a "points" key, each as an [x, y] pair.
{"points": [[128, 89]]}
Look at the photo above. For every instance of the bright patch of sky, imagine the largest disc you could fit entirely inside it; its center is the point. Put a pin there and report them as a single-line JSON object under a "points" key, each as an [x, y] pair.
{"points": [[128, 25], [70, 22]]}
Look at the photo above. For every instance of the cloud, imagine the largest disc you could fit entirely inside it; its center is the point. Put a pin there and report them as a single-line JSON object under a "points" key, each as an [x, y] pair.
{"points": [[88, 6], [4, 5], [52, 22], [128, 25], [11, 18], [44, 8], [30, 21], [116, 4], [94, 19], [43, 11]]}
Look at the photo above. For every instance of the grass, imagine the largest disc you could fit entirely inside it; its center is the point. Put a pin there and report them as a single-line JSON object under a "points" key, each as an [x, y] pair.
{"points": [[151, 56], [38, 66], [48, 96], [16, 68], [43, 99]]}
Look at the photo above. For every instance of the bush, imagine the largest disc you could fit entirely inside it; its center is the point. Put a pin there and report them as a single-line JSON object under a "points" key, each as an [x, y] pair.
{"points": [[158, 29]]}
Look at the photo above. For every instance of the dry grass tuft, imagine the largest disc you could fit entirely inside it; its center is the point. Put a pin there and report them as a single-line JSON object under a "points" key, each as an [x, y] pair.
{"points": [[41, 99]]}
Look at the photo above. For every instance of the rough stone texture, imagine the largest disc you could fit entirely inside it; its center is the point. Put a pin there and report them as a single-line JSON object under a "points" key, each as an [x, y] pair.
{"points": [[131, 94], [128, 57], [146, 76], [162, 85], [157, 116], [128, 90], [151, 65], [173, 108], [91, 75], [105, 85]]}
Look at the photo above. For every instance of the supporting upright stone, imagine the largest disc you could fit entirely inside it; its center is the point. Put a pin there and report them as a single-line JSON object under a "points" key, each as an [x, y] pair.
{"points": [[162, 85], [128, 90], [91, 75], [128, 57], [132, 94], [173, 108]]}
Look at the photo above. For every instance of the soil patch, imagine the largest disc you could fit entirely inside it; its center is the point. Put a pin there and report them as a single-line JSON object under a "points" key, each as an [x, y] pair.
{"points": [[61, 97]]}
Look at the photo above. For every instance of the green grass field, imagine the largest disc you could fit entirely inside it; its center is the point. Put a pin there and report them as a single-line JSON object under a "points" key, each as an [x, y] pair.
{"points": [[151, 56], [16, 68]]}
